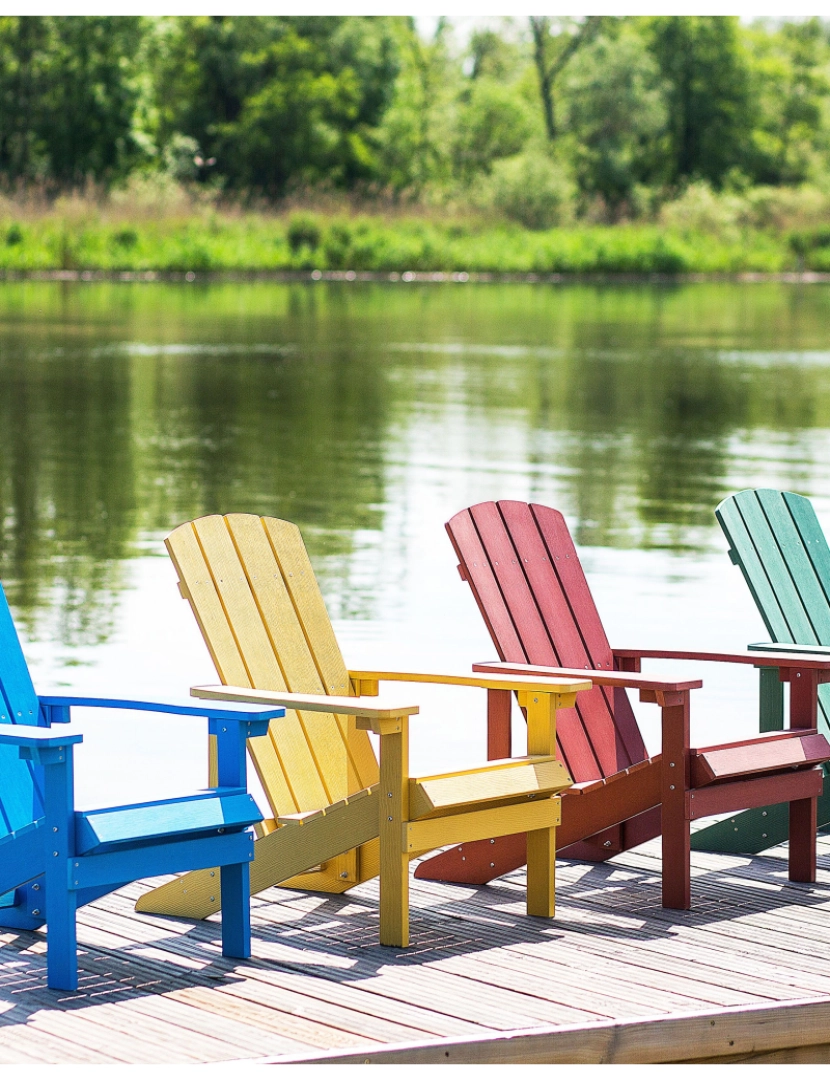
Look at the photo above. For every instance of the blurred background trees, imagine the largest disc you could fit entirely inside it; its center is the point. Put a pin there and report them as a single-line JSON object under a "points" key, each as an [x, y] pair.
{"points": [[539, 119]]}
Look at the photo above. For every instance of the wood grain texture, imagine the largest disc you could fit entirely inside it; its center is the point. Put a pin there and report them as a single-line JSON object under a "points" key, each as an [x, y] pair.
{"points": [[520, 560], [494, 783], [795, 1033], [480, 975], [542, 814], [393, 812]]}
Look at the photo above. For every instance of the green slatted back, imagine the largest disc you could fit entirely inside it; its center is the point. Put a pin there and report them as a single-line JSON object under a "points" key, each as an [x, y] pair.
{"points": [[777, 542]]}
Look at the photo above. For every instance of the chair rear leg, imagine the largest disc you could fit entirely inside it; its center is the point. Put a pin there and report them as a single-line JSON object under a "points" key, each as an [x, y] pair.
{"points": [[802, 855]]}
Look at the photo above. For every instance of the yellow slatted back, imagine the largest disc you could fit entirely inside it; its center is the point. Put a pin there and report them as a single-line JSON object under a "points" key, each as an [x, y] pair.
{"points": [[256, 600]]}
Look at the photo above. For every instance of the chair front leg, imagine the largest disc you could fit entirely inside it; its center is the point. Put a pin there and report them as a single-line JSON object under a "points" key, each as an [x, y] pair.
{"points": [[675, 783], [394, 813], [803, 812], [235, 880], [59, 843], [541, 843]]}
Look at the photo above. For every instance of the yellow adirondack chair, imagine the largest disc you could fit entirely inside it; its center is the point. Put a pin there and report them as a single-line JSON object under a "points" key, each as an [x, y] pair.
{"points": [[338, 819]]}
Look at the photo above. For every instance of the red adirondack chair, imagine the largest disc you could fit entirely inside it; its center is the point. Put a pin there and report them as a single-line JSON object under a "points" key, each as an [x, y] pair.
{"points": [[522, 567]]}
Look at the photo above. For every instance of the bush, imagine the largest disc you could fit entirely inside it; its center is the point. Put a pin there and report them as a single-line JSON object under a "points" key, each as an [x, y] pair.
{"points": [[304, 231], [125, 238], [700, 209], [532, 189]]}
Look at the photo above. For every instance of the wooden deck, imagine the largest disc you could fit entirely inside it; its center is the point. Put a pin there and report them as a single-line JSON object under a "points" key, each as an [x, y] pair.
{"points": [[745, 974]]}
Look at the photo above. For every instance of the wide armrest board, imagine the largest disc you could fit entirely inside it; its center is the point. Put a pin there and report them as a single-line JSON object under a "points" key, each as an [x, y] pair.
{"points": [[374, 708], [44, 737], [522, 780], [630, 679], [797, 751], [781, 647], [778, 659], [527, 678], [184, 707]]}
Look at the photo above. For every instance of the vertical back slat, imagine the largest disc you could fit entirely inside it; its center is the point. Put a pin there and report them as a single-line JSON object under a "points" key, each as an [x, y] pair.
{"points": [[613, 746], [198, 584], [756, 549], [475, 565], [20, 799], [777, 542], [574, 584], [313, 619], [813, 538], [327, 735], [288, 734], [797, 562], [575, 743]]}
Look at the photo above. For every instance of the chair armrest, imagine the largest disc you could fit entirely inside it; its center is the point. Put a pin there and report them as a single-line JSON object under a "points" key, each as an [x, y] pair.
{"points": [[31, 736], [58, 706], [779, 659], [345, 706], [777, 646], [514, 677], [628, 679]]}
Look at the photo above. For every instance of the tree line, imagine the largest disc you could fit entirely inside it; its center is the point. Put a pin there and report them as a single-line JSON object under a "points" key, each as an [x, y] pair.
{"points": [[605, 117]]}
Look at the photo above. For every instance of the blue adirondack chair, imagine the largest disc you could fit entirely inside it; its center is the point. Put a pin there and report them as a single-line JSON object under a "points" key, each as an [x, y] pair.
{"points": [[54, 858]]}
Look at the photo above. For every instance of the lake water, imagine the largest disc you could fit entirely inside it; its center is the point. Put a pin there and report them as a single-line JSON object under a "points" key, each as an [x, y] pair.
{"points": [[369, 414]]}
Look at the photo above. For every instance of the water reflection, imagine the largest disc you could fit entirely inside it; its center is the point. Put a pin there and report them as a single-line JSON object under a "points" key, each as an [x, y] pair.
{"points": [[126, 408]]}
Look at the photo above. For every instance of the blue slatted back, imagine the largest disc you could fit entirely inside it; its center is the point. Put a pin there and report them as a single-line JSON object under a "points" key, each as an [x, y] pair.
{"points": [[776, 540], [20, 798]]}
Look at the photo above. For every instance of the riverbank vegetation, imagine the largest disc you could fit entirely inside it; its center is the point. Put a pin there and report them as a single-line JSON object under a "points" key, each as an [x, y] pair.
{"points": [[639, 144]]}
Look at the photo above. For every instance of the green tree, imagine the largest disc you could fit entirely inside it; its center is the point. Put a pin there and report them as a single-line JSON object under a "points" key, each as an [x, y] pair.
{"points": [[555, 42], [277, 100], [790, 83], [494, 122], [709, 94], [617, 117], [69, 93], [417, 129]]}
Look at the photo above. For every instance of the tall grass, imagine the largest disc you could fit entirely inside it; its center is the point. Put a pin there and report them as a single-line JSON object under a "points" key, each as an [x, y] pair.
{"points": [[164, 229]]}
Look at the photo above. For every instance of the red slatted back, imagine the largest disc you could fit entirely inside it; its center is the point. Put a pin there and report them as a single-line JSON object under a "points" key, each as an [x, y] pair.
{"points": [[522, 566]]}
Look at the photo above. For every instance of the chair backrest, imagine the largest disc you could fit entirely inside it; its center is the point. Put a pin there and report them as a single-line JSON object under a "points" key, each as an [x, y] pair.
{"points": [[20, 789], [522, 566], [776, 540], [256, 600]]}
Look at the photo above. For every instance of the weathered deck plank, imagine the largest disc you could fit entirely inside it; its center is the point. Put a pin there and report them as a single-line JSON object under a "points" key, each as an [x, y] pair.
{"points": [[479, 970]]}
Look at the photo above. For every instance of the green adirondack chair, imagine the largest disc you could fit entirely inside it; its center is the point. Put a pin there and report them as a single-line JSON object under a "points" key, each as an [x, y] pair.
{"points": [[778, 544]]}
